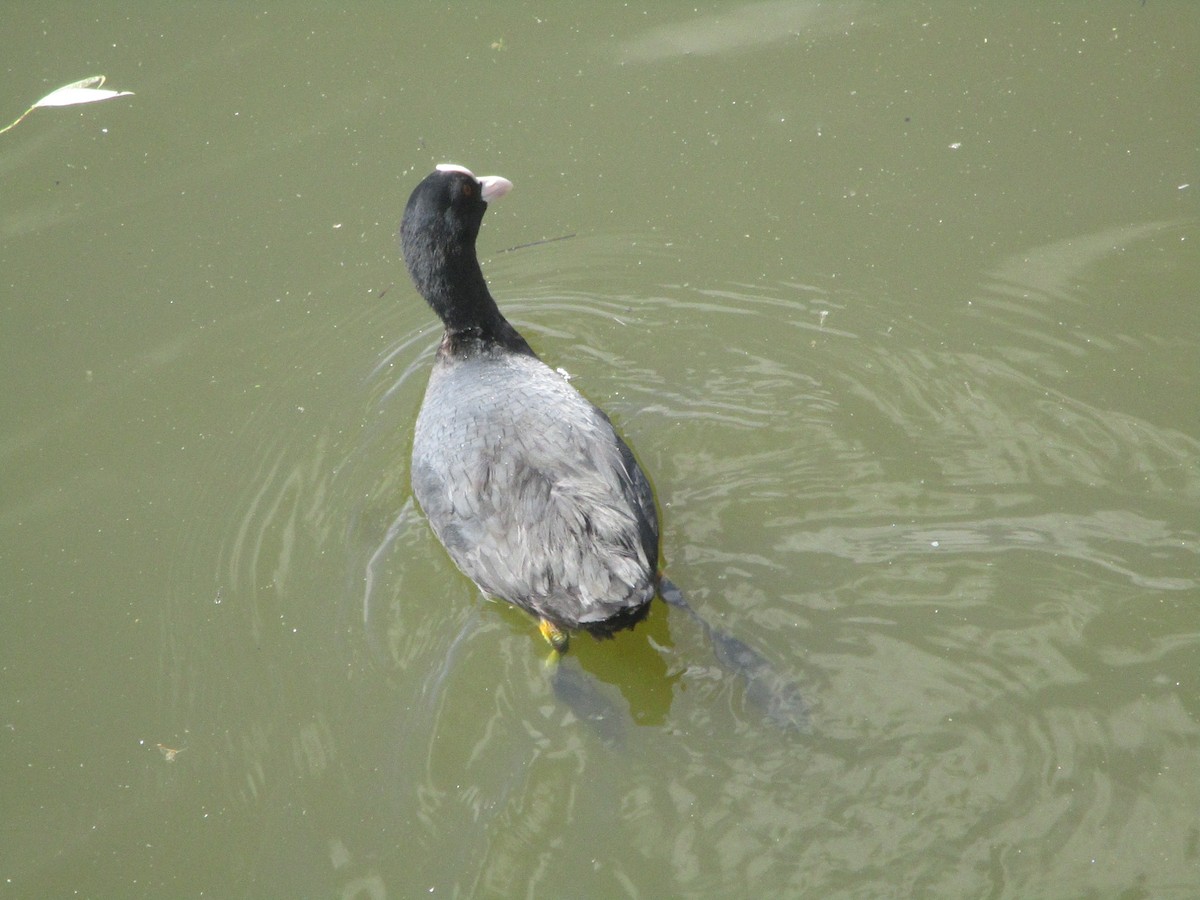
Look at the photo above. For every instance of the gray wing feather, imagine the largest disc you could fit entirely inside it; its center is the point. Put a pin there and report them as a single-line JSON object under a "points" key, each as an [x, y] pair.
{"points": [[531, 491]]}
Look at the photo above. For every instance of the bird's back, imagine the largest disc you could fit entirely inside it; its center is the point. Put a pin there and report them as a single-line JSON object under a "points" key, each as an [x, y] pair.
{"points": [[532, 492]]}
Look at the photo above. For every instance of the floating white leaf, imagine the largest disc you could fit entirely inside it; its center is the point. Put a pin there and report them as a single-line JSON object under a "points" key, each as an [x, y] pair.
{"points": [[87, 90]]}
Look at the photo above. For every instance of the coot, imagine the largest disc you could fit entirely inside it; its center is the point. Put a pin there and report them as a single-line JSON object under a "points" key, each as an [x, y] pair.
{"points": [[527, 485]]}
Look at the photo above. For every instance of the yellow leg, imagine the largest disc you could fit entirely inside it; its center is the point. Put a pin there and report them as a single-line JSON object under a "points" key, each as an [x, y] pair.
{"points": [[556, 636]]}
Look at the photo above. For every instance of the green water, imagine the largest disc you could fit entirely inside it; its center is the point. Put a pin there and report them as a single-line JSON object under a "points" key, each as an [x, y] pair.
{"points": [[897, 304]]}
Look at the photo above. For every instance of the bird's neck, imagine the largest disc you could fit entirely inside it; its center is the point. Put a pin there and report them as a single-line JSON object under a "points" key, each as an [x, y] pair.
{"points": [[455, 288]]}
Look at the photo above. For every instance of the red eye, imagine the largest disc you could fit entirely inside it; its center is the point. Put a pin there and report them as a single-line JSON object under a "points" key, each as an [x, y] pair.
{"points": [[468, 189]]}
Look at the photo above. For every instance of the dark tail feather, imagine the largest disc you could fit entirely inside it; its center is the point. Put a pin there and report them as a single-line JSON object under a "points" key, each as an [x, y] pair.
{"points": [[779, 700]]}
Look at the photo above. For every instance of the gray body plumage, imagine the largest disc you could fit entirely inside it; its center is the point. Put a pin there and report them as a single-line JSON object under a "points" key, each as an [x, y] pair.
{"points": [[532, 492]]}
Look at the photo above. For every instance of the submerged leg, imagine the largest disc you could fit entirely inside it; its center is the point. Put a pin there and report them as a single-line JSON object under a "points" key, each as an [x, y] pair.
{"points": [[588, 699], [581, 693], [778, 699], [556, 636]]}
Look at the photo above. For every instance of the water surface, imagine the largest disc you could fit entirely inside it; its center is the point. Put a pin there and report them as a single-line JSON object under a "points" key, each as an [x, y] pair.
{"points": [[896, 303]]}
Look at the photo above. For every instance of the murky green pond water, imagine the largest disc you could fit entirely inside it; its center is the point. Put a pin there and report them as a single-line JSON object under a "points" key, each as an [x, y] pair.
{"points": [[897, 303]]}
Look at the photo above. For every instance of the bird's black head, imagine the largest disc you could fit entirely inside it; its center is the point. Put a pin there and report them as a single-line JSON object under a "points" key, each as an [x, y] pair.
{"points": [[437, 236]]}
